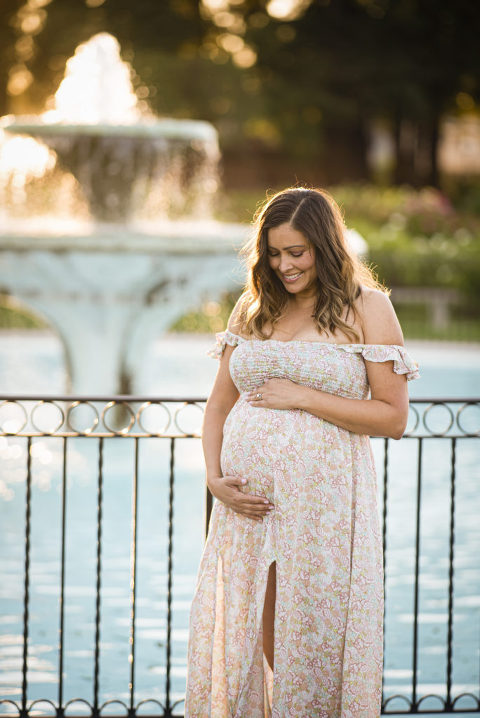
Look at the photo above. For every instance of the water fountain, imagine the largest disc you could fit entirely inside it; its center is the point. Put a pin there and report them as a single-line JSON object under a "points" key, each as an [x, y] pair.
{"points": [[105, 224], [93, 198]]}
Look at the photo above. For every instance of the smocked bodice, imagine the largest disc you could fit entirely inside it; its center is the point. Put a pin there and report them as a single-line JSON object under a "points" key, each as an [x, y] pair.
{"points": [[335, 368]]}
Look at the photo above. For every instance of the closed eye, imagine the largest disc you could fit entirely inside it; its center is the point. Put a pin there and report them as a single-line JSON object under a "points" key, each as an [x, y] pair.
{"points": [[293, 254]]}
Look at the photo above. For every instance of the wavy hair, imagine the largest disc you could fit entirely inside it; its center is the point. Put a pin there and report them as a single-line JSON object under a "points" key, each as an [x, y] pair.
{"points": [[340, 274]]}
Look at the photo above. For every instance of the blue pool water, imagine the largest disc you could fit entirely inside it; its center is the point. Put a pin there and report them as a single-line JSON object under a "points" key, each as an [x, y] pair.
{"points": [[178, 366]]}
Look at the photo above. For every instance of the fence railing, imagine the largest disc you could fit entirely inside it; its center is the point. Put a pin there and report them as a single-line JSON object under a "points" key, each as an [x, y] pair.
{"points": [[428, 491]]}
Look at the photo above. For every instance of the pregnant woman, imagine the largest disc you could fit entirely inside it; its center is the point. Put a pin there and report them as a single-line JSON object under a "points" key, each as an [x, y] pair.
{"points": [[287, 617]]}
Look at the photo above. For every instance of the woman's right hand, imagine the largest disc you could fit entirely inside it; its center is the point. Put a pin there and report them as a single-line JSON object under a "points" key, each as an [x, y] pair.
{"points": [[227, 490]]}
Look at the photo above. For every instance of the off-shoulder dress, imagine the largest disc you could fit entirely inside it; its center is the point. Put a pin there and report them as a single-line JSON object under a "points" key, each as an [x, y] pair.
{"points": [[324, 535]]}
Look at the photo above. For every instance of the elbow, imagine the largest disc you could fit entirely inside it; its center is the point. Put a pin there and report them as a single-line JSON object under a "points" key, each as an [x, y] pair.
{"points": [[397, 428]]}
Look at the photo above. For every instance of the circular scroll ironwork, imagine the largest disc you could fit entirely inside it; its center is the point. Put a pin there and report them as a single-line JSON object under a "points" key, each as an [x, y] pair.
{"points": [[41, 405], [400, 697], [182, 409], [144, 702], [77, 700], [474, 698], [9, 700], [146, 413], [90, 428], [43, 700], [12, 426], [430, 408], [435, 697], [112, 701], [412, 410], [121, 407], [461, 418]]}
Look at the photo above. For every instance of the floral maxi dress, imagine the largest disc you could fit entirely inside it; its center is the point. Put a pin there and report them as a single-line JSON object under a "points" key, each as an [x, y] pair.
{"points": [[323, 534]]}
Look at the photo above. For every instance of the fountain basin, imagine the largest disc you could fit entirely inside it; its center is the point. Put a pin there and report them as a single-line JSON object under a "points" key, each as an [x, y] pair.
{"points": [[168, 128], [121, 167]]}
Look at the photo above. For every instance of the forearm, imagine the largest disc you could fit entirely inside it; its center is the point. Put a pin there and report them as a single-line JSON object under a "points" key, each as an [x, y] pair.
{"points": [[212, 437], [361, 416]]}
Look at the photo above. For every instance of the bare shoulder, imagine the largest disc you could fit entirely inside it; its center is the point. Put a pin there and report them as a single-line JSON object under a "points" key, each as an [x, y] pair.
{"points": [[379, 321]]}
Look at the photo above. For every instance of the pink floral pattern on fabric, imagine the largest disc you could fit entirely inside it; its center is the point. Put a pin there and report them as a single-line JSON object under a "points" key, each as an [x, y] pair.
{"points": [[402, 361], [324, 535], [222, 339]]}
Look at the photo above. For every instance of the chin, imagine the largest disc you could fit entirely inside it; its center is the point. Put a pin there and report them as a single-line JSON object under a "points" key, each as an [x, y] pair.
{"points": [[304, 287], [294, 290]]}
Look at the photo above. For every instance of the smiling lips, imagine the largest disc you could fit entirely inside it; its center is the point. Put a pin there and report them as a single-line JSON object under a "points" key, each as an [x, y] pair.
{"points": [[291, 277]]}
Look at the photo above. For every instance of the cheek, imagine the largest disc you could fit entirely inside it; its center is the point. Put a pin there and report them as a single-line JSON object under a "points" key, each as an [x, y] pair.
{"points": [[307, 262]]}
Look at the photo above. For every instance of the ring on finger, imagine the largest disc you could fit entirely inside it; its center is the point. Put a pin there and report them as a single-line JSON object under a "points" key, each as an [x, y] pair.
{"points": [[258, 396]]}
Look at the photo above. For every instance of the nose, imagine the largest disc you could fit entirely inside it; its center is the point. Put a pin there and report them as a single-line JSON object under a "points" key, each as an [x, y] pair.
{"points": [[285, 263]]}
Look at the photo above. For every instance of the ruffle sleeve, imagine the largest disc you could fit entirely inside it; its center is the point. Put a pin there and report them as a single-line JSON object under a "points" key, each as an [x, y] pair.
{"points": [[402, 361], [222, 339]]}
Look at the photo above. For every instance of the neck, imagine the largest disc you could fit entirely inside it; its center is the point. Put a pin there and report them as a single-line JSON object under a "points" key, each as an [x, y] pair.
{"points": [[303, 301]]}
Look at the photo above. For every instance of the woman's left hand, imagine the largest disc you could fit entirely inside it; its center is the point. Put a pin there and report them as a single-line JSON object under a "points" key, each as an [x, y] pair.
{"points": [[276, 394]]}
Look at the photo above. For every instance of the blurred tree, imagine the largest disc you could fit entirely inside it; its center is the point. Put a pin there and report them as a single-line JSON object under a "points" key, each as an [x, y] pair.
{"points": [[8, 55], [318, 66], [39, 36], [427, 62], [298, 79], [42, 35], [333, 66]]}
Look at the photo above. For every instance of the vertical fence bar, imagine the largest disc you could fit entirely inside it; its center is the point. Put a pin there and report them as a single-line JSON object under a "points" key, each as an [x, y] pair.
{"points": [[449, 705], [98, 584], [26, 594], [168, 707], [62, 580], [208, 508], [385, 499], [417, 572], [133, 582], [384, 535]]}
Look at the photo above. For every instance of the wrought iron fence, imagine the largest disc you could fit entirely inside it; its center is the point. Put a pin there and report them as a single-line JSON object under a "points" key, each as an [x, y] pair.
{"points": [[437, 428]]}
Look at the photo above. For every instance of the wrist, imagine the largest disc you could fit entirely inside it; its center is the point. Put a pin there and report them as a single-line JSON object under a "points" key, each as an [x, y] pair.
{"points": [[304, 397]]}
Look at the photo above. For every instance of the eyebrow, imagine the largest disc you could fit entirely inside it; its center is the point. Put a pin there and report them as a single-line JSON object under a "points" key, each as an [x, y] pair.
{"points": [[292, 246]]}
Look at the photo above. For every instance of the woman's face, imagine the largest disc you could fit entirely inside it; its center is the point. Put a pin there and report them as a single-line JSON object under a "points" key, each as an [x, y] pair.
{"points": [[292, 258]]}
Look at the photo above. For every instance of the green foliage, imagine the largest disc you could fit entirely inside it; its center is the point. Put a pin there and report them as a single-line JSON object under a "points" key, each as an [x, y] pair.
{"points": [[465, 194], [439, 261], [415, 237], [12, 317], [423, 211]]}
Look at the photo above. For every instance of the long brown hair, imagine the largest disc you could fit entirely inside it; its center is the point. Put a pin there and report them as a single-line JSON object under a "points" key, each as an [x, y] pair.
{"points": [[340, 274]]}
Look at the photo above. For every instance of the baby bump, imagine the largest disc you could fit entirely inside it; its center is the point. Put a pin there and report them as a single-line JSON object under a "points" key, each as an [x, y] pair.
{"points": [[293, 454], [269, 447]]}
